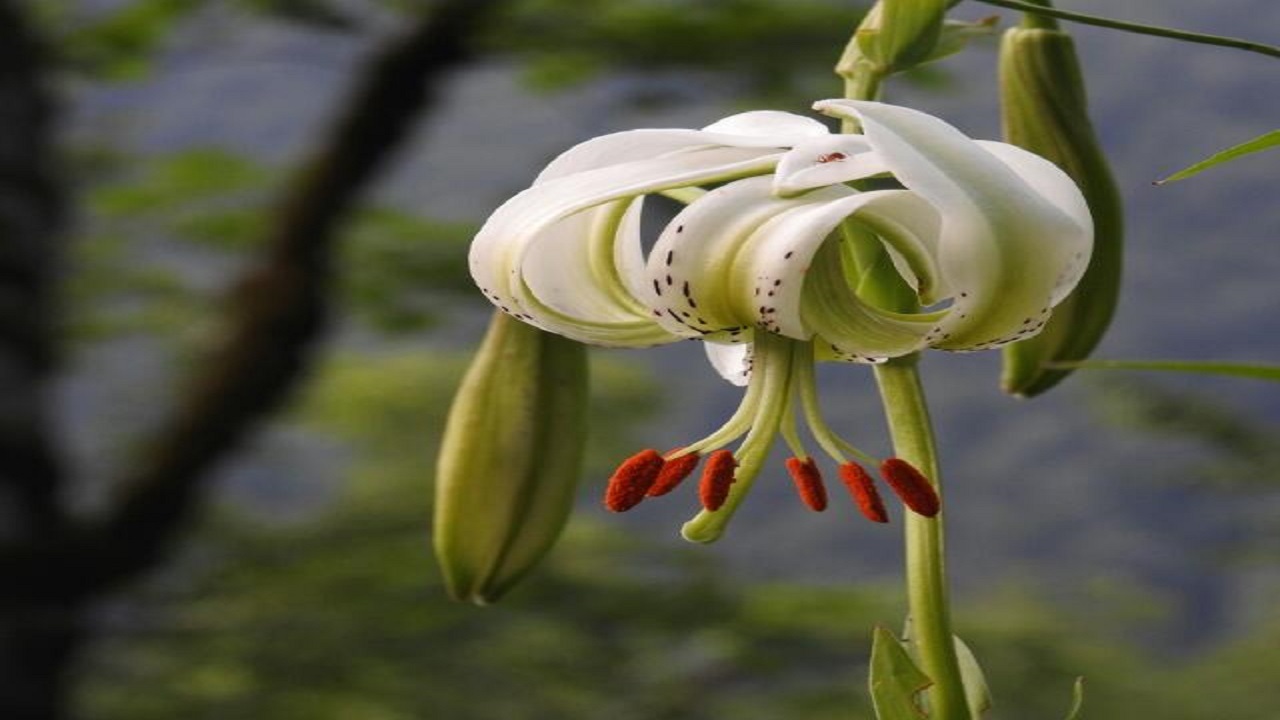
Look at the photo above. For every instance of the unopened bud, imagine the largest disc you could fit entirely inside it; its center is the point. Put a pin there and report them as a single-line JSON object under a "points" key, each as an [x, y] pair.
{"points": [[899, 34], [510, 458], [1044, 110]]}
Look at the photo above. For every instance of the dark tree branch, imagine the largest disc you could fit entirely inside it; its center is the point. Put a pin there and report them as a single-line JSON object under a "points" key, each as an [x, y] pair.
{"points": [[34, 645], [278, 309], [31, 210]]}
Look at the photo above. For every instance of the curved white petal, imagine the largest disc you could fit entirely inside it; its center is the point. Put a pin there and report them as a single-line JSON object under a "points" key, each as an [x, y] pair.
{"points": [[533, 257], [628, 250], [769, 124], [999, 232], [733, 362], [1072, 251], [764, 129], [909, 228], [828, 160], [741, 258], [618, 148], [799, 286], [691, 267]]}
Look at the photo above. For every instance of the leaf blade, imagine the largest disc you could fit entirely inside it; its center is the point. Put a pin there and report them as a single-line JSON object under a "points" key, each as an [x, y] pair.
{"points": [[895, 680], [1254, 371], [976, 690], [1077, 699], [1264, 141]]}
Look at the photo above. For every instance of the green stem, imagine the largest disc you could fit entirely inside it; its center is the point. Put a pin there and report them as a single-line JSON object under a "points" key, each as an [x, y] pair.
{"points": [[864, 85], [1038, 21], [930, 613], [1184, 35], [912, 434]]}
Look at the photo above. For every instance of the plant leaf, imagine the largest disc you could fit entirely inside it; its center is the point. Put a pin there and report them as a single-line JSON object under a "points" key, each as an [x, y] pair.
{"points": [[1256, 371], [956, 36], [1077, 699], [976, 691], [1258, 144], [895, 679]]}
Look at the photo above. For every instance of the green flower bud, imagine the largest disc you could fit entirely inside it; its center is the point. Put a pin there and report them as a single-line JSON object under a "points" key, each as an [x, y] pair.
{"points": [[897, 34], [510, 458], [1044, 110]]}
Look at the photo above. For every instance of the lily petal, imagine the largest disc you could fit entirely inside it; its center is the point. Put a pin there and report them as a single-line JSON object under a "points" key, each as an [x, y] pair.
{"points": [[998, 229], [800, 288], [770, 124], [766, 129], [691, 267], [733, 362], [1058, 188], [532, 258]]}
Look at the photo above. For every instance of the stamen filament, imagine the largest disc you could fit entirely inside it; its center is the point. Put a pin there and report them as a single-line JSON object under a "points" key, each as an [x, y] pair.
{"points": [[735, 426], [790, 435], [834, 445], [771, 372]]}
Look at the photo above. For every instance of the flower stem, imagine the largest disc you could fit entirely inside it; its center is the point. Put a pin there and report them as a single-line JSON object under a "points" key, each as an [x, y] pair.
{"points": [[1038, 21], [930, 613], [912, 434], [1039, 8]]}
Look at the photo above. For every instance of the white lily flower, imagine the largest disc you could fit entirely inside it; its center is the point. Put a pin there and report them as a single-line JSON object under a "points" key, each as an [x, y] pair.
{"points": [[769, 265]]}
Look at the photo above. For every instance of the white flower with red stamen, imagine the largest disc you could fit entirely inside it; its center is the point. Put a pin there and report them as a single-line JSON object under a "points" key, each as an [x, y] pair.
{"points": [[769, 263]]}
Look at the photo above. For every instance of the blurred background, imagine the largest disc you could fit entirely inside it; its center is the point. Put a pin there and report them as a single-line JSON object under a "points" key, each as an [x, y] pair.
{"points": [[234, 304]]}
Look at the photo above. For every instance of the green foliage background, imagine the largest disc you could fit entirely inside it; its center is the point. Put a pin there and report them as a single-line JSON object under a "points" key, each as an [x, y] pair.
{"points": [[337, 612]]}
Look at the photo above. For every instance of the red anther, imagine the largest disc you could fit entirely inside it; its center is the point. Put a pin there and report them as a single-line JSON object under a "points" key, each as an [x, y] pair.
{"points": [[808, 482], [911, 486], [674, 471], [632, 480], [717, 476], [863, 490]]}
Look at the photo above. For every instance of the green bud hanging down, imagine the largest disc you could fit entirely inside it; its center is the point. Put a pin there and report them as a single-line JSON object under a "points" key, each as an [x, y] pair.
{"points": [[1044, 110], [898, 34], [510, 458]]}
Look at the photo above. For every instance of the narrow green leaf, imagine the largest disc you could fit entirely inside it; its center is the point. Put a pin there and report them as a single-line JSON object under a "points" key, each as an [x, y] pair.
{"points": [[895, 679], [1256, 371], [1077, 699], [1258, 144], [956, 36], [976, 691]]}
